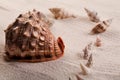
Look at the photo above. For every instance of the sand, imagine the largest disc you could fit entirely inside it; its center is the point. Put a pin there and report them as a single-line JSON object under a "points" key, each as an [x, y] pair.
{"points": [[74, 32]]}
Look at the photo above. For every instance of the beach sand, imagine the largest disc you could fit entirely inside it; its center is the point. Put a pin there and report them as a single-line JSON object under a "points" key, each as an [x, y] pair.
{"points": [[75, 34]]}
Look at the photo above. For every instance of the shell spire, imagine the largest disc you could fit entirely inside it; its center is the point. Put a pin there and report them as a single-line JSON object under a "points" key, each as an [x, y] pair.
{"points": [[101, 26], [29, 39], [86, 52], [85, 70], [90, 45], [93, 16], [60, 13], [90, 61]]}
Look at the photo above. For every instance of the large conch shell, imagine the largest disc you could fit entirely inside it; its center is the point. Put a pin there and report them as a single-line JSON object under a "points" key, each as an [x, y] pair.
{"points": [[60, 13], [28, 39], [101, 27], [93, 16]]}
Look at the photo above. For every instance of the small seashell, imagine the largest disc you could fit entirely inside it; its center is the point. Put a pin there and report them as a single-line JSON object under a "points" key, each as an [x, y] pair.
{"points": [[98, 42], [85, 70], [93, 16], [101, 27], [60, 13], [90, 61], [86, 52]]}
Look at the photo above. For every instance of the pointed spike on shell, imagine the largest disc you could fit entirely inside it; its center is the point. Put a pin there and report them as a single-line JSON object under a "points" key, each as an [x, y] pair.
{"points": [[85, 70], [41, 15], [27, 24], [27, 33], [90, 61], [35, 34], [20, 16], [42, 38]]}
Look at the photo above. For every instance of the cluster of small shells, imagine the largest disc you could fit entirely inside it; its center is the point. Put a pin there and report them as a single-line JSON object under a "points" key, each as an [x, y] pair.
{"points": [[100, 27]]}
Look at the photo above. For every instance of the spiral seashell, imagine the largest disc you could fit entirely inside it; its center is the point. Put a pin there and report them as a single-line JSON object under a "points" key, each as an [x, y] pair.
{"points": [[101, 27], [29, 41], [93, 16], [60, 13]]}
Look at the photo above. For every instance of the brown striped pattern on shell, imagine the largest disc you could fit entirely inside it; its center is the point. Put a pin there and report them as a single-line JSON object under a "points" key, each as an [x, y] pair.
{"points": [[30, 40], [101, 26]]}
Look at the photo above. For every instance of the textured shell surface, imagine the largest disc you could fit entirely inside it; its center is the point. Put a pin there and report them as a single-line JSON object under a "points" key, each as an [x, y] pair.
{"points": [[60, 13], [93, 16], [29, 39], [101, 26]]}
